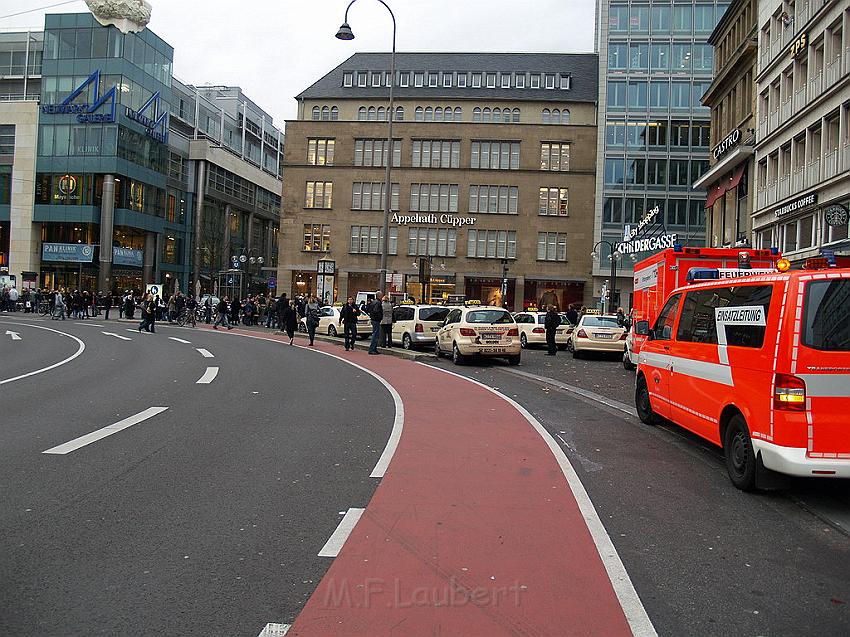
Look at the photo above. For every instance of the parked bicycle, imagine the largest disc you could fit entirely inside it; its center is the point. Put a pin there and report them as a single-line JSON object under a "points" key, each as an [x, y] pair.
{"points": [[186, 317]]}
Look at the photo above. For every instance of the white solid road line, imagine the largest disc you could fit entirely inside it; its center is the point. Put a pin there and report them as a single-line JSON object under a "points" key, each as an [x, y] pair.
{"points": [[123, 338], [180, 340], [94, 436], [15, 336], [205, 352], [208, 377], [80, 350], [630, 602], [334, 544]]}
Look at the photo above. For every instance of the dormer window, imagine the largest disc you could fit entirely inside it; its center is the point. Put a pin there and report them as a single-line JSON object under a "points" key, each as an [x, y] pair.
{"points": [[347, 78]]}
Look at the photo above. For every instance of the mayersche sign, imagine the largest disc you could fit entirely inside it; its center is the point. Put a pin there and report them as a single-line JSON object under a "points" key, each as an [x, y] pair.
{"points": [[149, 116]]}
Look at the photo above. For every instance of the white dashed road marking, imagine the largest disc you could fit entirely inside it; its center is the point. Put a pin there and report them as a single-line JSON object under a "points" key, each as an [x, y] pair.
{"points": [[334, 545], [180, 340], [94, 436], [208, 377], [205, 352], [123, 338]]}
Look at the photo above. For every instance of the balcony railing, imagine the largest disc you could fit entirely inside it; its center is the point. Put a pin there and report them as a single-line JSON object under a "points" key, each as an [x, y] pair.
{"points": [[762, 132], [816, 85], [833, 71], [813, 173], [761, 199], [773, 122], [784, 186], [771, 193], [845, 161], [830, 163], [785, 110], [798, 179], [800, 99]]}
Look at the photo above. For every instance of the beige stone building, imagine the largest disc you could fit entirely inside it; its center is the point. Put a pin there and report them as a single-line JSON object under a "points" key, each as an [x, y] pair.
{"points": [[493, 174]]}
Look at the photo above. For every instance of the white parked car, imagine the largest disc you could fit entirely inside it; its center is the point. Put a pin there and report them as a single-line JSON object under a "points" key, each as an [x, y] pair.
{"points": [[479, 330], [329, 323], [597, 333], [532, 332], [415, 325]]}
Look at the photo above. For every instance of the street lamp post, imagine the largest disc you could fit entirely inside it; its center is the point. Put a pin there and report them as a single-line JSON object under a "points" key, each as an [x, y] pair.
{"points": [[613, 285], [247, 257], [345, 33]]}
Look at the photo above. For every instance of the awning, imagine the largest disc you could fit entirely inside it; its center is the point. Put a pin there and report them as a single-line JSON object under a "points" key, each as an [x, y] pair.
{"points": [[725, 185], [732, 160]]}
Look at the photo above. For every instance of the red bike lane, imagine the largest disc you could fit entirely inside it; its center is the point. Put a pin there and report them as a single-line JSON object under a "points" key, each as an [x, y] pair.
{"points": [[474, 530]]}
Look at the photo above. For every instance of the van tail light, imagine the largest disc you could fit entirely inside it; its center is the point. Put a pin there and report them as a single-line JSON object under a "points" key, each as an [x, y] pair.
{"points": [[790, 393], [538, 330], [420, 328], [581, 334], [514, 331], [623, 336], [467, 331]]}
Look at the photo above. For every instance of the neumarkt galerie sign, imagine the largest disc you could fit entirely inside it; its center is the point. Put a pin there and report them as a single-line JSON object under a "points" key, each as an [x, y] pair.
{"points": [[67, 252]]}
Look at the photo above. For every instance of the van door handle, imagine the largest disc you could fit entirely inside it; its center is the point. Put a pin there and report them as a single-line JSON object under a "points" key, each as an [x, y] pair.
{"points": [[667, 348]]}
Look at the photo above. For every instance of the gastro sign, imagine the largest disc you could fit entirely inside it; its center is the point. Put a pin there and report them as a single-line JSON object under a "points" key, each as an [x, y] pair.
{"points": [[798, 204], [432, 220], [728, 143]]}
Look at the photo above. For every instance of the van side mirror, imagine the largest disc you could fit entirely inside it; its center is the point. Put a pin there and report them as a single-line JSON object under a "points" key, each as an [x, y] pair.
{"points": [[642, 328]]}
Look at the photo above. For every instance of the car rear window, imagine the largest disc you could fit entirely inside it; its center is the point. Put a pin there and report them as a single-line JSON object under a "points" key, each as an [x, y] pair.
{"points": [[489, 316], [433, 313], [826, 321], [600, 321]]}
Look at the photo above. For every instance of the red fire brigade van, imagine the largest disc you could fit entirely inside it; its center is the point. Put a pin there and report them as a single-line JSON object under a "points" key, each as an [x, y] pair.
{"points": [[758, 365], [658, 275]]}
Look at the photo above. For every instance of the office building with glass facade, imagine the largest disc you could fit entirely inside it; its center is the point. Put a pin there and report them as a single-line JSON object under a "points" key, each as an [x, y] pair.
{"points": [[112, 173], [654, 65]]}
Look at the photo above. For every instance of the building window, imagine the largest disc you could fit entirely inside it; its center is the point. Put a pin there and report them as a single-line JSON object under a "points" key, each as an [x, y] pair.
{"points": [[550, 80], [320, 152], [554, 201], [519, 80], [506, 80], [491, 244], [495, 155], [437, 242], [372, 152], [491, 80], [554, 156], [347, 78], [565, 82], [404, 80], [493, 199], [433, 197], [435, 153], [476, 80], [366, 195], [319, 194], [361, 113], [361, 78], [432, 79], [447, 80], [418, 80], [551, 246], [317, 238], [461, 80], [535, 80], [334, 113], [370, 239], [376, 79], [317, 113]]}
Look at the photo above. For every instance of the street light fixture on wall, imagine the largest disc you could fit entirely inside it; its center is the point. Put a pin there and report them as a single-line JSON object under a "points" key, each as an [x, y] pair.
{"points": [[345, 33]]}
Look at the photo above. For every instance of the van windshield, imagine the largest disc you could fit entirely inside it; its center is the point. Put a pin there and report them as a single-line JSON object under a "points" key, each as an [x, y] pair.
{"points": [[826, 322]]}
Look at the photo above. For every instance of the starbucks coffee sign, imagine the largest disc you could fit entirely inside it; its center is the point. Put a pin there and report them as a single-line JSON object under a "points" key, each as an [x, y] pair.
{"points": [[432, 219]]}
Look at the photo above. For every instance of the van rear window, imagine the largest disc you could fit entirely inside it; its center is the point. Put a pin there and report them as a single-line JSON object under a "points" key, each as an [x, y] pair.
{"points": [[433, 313], [826, 320]]}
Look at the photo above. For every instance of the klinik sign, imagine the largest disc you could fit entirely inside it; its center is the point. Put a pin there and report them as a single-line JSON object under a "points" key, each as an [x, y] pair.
{"points": [[632, 244]]}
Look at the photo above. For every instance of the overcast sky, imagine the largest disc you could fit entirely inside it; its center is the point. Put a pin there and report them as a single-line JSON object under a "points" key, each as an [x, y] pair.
{"points": [[274, 49]]}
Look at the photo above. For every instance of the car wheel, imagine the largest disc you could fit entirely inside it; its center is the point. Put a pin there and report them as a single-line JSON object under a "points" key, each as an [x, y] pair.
{"points": [[642, 404], [406, 343], [627, 362], [739, 454], [457, 357], [576, 354], [514, 360], [437, 351], [331, 330], [569, 345], [563, 348], [523, 341]]}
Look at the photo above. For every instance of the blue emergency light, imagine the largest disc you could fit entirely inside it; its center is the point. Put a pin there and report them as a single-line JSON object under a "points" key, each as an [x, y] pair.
{"points": [[702, 274]]}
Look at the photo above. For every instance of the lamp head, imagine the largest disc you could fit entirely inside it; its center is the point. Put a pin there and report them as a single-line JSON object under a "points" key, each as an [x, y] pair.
{"points": [[345, 32]]}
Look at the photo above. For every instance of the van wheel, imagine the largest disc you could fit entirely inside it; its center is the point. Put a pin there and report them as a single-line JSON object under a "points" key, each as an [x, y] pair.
{"points": [[523, 341], [642, 404], [457, 357], [406, 343], [331, 330], [739, 454]]}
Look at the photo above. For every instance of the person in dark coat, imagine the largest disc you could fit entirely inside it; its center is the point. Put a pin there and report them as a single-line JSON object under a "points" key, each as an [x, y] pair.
{"points": [[290, 321], [348, 318], [551, 323], [235, 308], [280, 309], [148, 314]]}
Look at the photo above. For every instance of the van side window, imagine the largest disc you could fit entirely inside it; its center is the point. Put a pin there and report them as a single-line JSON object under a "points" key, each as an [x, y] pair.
{"points": [[697, 324], [826, 325], [663, 328]]}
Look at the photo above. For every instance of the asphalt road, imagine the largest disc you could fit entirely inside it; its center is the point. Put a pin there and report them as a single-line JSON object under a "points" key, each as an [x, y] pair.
{"points": [[206, 518], [705, 558]]}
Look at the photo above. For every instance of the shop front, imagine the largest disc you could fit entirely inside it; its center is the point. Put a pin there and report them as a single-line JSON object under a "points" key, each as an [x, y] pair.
{"points": [[438, 288], [303, 283], [489, 291], [542, 293]]}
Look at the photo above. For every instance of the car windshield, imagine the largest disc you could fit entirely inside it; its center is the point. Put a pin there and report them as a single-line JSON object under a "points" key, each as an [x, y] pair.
{"points": [[489, 316], [599, 321], [826, 325], [433, 313]]}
